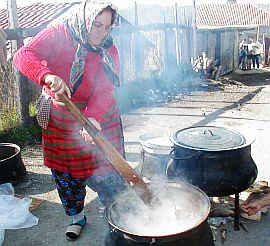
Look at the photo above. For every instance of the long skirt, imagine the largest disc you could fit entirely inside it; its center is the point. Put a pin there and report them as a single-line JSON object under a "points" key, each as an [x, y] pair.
{"points": [[66, 151]]}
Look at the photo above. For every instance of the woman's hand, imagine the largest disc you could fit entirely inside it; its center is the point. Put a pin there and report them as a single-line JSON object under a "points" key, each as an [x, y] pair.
{"points": [[57, 85], [85, 134]]}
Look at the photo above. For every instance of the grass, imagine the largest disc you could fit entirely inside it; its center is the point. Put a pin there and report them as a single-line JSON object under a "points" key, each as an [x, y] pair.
{"points": [[21, 135], [12, 132]]}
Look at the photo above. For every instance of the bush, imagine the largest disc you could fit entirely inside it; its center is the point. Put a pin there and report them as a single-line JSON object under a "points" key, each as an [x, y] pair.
{"points": [[12, 132], [21, 135]]}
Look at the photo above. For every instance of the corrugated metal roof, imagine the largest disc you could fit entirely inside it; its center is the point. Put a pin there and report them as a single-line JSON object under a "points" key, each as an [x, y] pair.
{"points": [[36, 15], [231, 15]]}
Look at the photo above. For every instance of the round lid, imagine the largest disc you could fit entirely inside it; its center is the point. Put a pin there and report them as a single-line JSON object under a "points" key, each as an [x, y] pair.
{"points": [[208, 138], [159, 140]]}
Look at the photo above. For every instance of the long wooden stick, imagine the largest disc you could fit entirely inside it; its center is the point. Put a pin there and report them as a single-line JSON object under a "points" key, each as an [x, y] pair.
{"points": [[114, 157]]}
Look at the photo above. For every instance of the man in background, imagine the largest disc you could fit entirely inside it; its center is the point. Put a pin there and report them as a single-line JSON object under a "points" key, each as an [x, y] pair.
{"points": [[255, 53]]}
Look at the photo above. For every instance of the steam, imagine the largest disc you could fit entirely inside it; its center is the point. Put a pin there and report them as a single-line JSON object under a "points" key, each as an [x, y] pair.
{"points": [[180, 210]]}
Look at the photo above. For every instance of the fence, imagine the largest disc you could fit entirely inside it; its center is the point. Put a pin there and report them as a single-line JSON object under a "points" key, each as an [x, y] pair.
{"points": [[145, 52]]}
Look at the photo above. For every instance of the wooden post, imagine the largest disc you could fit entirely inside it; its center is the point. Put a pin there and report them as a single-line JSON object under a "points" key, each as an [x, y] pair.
{"points": [[165, 45], [122, 57], [176, 35], [263, 59], [236, 49], [20, 81], [194, 32], [137, 46], [258, 33]]}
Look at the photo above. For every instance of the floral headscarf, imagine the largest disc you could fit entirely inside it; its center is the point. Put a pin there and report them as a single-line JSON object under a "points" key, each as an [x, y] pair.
{"points": [[77, 26]]}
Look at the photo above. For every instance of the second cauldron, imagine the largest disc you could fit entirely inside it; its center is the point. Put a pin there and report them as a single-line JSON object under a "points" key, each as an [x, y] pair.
{"points": [[215, 159]]}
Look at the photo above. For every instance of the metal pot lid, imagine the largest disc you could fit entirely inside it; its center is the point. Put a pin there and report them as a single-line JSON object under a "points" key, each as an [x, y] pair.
{"points": [[208, 138]]}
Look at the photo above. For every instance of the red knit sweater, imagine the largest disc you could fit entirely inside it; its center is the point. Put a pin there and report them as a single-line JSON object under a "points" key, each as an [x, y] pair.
{"points": [[52, 51]]}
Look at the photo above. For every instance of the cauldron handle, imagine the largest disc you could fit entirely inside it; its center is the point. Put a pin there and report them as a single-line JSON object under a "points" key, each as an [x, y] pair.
{"points": [[208, 131], [113, 234], [172, 156], [153, 242]]}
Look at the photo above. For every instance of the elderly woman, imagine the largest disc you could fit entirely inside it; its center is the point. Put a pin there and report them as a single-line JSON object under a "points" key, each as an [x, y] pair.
{"points": [[77, 58]]}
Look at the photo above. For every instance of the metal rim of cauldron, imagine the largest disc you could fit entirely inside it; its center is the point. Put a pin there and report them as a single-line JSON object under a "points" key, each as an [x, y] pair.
{"points": [[179, 238], [12, 166], [12, 145], [162, 238], [245, 144]]}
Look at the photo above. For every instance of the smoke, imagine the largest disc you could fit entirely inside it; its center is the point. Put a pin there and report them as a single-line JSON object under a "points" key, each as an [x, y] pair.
{"points": [[181, 209]]}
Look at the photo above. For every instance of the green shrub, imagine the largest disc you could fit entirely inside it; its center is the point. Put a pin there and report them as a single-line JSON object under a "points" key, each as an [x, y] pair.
{"points": [[9, 119], [11, 131]]}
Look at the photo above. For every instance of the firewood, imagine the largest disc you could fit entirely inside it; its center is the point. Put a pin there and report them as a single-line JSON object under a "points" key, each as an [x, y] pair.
{"points": [[254, 196], [266, 190], [262, 183], [264, 210], [223, 232], [256, 217], [259, 186], [222, 210]]}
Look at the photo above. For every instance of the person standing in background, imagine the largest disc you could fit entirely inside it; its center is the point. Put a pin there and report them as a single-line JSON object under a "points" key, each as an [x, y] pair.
{"points": [[243, 54], [255, 53], [77, 58]]}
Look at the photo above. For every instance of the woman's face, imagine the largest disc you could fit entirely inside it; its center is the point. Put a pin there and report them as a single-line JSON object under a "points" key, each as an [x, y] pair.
{"points": [[100, 28]]}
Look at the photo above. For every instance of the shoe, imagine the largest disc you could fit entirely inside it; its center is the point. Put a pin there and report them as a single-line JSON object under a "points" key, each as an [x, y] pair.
{"points": [[74, 229], [257, 69]]}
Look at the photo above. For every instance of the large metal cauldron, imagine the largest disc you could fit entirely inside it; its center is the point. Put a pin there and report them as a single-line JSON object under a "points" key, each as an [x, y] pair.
{"points": [[11, 165], [215, 159], [189, 229]]}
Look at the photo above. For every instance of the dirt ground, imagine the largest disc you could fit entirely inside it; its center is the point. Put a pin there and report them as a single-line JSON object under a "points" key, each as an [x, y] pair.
{"points": [[240, 101]]}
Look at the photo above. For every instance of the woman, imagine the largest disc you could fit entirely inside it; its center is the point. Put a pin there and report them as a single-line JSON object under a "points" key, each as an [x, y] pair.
{"points": [[79, 59]]}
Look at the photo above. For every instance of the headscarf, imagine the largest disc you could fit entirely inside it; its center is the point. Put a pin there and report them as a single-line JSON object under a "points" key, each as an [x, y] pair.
{"points": [[77, 27]]}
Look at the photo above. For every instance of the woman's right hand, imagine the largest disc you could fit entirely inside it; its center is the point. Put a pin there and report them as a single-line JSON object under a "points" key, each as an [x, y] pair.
{"points": [[85, 135], [57, 85]]}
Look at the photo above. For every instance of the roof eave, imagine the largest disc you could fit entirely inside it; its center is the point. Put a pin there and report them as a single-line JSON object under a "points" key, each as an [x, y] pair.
{"points": [[228, 27]]}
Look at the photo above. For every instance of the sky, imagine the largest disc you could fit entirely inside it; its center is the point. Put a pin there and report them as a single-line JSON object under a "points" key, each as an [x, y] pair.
{"points": [[125, 3]]}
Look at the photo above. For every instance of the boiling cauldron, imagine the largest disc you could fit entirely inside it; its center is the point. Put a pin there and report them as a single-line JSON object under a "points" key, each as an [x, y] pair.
{"points": [[12, 168], [190, 229], [215, 159]]}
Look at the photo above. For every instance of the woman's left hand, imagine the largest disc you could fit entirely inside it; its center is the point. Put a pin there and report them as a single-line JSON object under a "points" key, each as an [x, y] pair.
{"points": [[86, 136]]}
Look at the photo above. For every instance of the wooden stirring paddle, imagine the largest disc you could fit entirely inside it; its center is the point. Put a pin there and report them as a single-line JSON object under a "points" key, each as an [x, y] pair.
{"points": [[114, 157]]}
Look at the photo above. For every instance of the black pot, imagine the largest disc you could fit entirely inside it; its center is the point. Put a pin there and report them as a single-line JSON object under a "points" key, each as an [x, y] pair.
{"points": [[201, 236], [195, 200], [215, 159], [12, 168]]}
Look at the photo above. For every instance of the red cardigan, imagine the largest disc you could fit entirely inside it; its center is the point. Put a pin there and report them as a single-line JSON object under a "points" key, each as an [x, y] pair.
{"points": [[52, 51]]}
